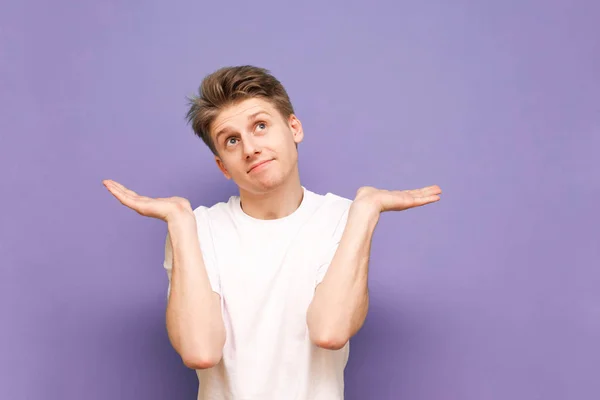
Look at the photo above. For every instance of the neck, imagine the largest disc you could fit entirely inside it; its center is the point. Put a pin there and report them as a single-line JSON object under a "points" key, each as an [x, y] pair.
{"points": [[275, 204]]}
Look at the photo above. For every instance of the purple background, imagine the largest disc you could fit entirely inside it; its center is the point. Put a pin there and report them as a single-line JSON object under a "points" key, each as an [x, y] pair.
{"points": [[493, 293]]}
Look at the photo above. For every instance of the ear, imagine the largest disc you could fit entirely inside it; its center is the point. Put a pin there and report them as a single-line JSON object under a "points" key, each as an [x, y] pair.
{"points": [[296, 127], [222, 167]]}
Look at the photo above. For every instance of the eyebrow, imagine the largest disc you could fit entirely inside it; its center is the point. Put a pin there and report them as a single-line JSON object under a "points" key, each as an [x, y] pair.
{"points": [[251, 117]]}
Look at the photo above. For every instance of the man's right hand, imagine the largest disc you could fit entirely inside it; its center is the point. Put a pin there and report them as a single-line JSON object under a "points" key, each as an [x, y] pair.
{"points": [[166, 209]]}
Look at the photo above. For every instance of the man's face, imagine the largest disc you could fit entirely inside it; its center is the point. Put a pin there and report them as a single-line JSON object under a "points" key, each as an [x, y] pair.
{"points": [[256, 146]]}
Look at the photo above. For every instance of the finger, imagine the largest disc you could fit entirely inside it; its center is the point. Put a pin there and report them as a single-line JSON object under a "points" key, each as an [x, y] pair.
{"points": [[126, 197], [417, 193], [116, 190], [115, 186], [122, 196], [421, 201], [139, 204], [128, 192], [124, 189], [432, 190], [425, 192]]}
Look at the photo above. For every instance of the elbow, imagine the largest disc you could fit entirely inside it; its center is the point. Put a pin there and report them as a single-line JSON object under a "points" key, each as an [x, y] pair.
{"points": [[201, 361], [330, 342], [333, 344], [329, 336]]}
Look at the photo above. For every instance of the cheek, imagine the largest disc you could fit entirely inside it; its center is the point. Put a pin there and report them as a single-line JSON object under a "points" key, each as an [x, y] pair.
{"points": [[231, 167], [238, 169], [285, 144]]}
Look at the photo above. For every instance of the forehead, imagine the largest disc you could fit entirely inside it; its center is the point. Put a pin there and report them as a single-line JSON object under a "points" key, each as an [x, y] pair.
{"points": [[237, 114]]}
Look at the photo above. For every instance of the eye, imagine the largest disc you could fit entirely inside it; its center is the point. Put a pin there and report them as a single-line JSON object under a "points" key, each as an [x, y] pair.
{"points": [[261, 126], [230, 141]]}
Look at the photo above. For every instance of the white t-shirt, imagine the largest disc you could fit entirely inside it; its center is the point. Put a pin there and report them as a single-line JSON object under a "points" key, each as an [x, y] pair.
{"points": [[266, 272]]}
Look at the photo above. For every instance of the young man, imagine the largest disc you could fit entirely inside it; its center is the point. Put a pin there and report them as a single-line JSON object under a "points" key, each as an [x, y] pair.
{"points": [[266, 289]]}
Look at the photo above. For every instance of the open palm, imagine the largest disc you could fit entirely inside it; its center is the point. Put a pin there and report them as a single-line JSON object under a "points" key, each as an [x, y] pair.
{"points": [[160, 208], [398, 200]]}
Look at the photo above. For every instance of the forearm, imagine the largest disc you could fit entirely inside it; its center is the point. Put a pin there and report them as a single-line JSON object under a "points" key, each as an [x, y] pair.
{"points": [[341, 301], [194, 320]]}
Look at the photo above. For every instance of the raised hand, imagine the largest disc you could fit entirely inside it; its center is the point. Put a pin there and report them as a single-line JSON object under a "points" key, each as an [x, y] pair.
{"points": [[397, 200], [160, 208]]}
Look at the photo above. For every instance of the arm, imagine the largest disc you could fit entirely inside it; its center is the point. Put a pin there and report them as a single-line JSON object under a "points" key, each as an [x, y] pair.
{"points": [[194, 320], [339, 306]]}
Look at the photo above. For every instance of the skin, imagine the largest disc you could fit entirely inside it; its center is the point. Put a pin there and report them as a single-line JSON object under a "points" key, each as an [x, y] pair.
{"points": [[249, 134]]}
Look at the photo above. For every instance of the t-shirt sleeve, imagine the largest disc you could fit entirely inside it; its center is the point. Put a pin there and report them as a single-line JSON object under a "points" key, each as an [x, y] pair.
{"points": [[331, 247], [208, 255]]}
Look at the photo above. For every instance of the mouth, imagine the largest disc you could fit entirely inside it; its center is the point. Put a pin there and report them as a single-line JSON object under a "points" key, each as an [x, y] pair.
{"points": [[260, 164]]}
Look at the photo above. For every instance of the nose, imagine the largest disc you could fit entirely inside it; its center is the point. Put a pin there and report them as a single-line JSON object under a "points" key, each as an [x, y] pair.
{"points": [[250, 146]]}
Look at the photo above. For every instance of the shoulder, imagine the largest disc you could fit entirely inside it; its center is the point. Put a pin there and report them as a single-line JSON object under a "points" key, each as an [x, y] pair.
{"points": [[337, 201], [331, 208], [217, 212], [330, 201], [214, 225]]}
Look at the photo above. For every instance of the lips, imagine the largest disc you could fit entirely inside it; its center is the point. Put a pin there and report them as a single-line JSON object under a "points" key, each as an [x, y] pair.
{"points": [[258, 165]]}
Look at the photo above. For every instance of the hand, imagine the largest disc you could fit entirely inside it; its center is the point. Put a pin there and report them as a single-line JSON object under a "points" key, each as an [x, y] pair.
{"points": [[397, 200], [161, 208]]}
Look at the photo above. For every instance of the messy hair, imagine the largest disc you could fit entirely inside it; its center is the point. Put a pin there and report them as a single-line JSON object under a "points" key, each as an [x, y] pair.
{"points": [[228, 86]]}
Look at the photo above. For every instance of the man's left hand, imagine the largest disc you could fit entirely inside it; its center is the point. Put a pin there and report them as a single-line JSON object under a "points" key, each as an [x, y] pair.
{"points": [[397, 200]]}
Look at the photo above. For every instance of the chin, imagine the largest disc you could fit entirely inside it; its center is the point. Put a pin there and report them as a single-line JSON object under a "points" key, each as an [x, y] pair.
{"points": [[270, 184], [264, 184]]}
